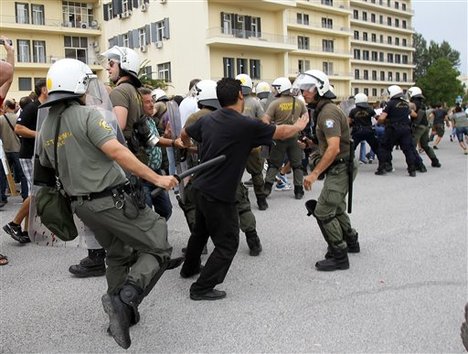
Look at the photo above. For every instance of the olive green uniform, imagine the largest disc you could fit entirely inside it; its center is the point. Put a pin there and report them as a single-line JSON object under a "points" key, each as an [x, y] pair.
{"points": [[285, 110], [136, 246], [331, 205]]}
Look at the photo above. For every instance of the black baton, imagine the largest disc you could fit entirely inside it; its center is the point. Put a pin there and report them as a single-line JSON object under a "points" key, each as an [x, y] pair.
{"points": [[350, 176], [190, 171]]}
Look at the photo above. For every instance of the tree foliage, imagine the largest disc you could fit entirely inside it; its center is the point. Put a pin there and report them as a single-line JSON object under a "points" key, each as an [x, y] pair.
{"points": [[147, 81], [426, 55], [440, 83]]}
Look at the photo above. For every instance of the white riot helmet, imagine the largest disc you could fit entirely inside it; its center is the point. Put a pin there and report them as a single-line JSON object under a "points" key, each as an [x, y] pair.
{"points": [[395, 91], [361, 100], [206, 94], [127, 58], [281, 85], [262, 90], [67, 78], [159, 95], [313, 79], [246, 83], [415, 92]]}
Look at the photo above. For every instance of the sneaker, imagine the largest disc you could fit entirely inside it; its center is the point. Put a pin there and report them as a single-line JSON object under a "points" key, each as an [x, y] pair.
{"points": [[435, 147], [362, 162], [281, 186], [282, 178], [14, 231]]}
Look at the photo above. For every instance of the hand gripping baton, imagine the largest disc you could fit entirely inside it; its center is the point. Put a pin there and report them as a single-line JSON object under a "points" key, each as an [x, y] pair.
{"points": [[190, 171]]}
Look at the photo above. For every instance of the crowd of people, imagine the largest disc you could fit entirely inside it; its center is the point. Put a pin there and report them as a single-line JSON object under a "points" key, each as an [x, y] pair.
{"points": [[119, 150]]}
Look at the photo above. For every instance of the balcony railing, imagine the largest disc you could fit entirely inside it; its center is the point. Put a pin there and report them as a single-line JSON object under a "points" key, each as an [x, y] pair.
{"points": [[230, 33], [336, 5], [326, 50], [52, 22], [318, 25], [384, 42]]}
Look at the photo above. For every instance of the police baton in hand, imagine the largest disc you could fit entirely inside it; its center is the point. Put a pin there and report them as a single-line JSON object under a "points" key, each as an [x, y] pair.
{"points": [[190, 171], [350, 176]]}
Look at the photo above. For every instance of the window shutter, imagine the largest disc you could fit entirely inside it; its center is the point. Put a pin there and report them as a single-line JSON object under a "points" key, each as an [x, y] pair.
{"points": [[259, 23], [154, 34], [106, 12], [135, 38], [116, 7], [222, 21], [130, 7], [148, 33], [120, 40], [166, 28], [135, 4], [130, 39]]}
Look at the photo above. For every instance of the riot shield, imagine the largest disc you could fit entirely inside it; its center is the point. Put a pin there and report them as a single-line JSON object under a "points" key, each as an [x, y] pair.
{"points": [[97, 96]]}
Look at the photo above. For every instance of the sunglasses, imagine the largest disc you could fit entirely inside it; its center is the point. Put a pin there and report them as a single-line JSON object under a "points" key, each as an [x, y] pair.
{"points": [[112, 63]]}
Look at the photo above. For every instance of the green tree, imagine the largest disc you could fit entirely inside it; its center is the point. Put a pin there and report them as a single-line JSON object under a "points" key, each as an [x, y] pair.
{"points": [[420, 56], [147, 81], [440, 84]]}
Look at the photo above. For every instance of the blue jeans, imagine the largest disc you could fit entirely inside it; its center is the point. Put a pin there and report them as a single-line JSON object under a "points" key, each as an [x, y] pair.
{"points": [[362, 151], [13, 161], [161, 203]]}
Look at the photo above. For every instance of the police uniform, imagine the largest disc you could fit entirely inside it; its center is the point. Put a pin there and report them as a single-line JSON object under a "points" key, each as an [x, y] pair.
{"points": [[136, 244], [330, 208], [361, 120], [286, 110], [255, 162], [397, 132]]}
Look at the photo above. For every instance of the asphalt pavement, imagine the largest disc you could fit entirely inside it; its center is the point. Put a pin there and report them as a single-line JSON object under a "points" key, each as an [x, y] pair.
{"points": [[404, 293]]}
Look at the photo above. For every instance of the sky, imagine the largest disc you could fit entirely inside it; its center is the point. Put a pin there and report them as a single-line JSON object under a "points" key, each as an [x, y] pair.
{"points": [[444, 20]]}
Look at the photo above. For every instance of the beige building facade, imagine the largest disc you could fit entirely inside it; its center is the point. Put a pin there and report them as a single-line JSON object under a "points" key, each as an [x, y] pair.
{"points": [[182, 40]]}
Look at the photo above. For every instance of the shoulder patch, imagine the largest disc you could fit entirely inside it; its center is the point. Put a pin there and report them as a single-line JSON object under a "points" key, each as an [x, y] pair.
{"points": [[329, 123], [105, 125]]}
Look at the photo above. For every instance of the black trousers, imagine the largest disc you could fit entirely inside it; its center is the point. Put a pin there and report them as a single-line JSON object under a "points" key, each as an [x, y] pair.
{"points": [[398, 135], [220, 221]]}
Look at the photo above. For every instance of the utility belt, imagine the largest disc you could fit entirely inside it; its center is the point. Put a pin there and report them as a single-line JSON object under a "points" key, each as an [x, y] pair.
{"points": [[108, 192]]}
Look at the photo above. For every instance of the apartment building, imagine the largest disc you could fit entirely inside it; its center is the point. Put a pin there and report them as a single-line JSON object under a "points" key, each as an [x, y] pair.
{"points": [[382, 46], [182, 40], [45, 31]]}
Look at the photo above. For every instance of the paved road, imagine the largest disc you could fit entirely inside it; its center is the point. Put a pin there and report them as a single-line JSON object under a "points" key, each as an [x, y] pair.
{"points": [[404, 292]]}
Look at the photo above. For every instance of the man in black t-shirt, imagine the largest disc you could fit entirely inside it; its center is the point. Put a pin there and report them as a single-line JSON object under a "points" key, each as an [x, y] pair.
{"points": [[26, 128], [440, 118], [222, 132]]}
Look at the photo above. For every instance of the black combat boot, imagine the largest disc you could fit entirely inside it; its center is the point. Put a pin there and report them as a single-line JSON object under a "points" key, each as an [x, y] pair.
{"points": [[267, 188], [253, 241], [338, 262], [262, 203], [91, 266], [298, 192], [388, 167], [381, 170], [421, 168], [351, 238], [435, 163]]}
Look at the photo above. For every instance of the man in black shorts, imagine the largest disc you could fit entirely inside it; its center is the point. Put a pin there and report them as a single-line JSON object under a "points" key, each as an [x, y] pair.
{"points": [[223, 132]]}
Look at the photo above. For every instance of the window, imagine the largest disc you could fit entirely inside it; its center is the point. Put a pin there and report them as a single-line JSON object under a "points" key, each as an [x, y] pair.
{"points": [[397, 22], [373, 37], [148, 72], [364, 16], [80, 15], [356, 91], [381, 19], [241, 66], [381, 56], [390, 57], [24, 51], [125, 40], [366, 91], [366, 74], [37, 14], [255, 26], [357, 54], [327, 67], [125, 7], [302, 19], [403, 23], [24, 84], [142, 37], [397, 41], [37, 79], [356, 14], [39, 52], [405, 77], [327, 45], [374, 56], [364, 36], [404, 59], [398, 58], [303, 65], [374, 92], [356, 74], [374, 77], [372, 18], [390, 76], [254, 69], [76, 48], [22, 12], [389, 40], [397, 5], [228, 66], [356, 35], [226, 20], [365, 55], [404, 42], [164, 72], [381, 38], [382, 76], [303, 42], [389, 21], [327, 22], [327, 2], [397, 77], [240, 26], [403, 7]]}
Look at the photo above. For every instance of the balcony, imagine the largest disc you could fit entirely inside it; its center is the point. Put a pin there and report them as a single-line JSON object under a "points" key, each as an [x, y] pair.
{"points": [[382, 26], [382, 6], [324, 52], [333, 76], [383, 44], [317, 27], [264, 5], [49, 25], [218, 37], [337, 7], [91, 61], [385, 63]]}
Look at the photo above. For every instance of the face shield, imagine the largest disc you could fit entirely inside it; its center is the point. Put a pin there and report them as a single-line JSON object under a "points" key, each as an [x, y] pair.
{"points": [[303, 83]]}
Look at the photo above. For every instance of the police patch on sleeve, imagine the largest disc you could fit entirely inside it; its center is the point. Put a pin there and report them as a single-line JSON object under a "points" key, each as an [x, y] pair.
{"points": [[105, 125], [329, 123]]}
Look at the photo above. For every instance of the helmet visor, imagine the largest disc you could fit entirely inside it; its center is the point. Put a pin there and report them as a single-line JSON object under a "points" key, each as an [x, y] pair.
{"points": [[303, 82]]}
